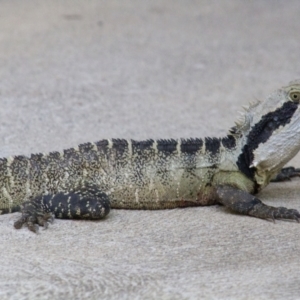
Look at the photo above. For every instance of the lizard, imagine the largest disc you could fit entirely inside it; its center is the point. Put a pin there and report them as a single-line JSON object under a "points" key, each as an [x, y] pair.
{"points": [[87, 181]]}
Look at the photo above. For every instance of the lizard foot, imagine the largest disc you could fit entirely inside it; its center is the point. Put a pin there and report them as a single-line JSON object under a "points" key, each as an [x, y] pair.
{"points": [[244, 203], [34, 214], [286, 174], [263, 211]]}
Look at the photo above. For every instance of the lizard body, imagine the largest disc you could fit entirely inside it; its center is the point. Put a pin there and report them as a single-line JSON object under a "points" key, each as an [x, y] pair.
{"points": [[84, 182]]}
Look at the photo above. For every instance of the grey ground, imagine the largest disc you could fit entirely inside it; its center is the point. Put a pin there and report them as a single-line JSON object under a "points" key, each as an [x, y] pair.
{"points": [[78, 71]]}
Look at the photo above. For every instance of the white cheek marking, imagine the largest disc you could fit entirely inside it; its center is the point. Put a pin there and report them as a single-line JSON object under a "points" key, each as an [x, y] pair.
{"points": [[283, 144]]}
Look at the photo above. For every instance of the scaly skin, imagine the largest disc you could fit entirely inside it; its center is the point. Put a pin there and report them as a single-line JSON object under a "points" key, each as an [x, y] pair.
{"points": [[84, 182]]}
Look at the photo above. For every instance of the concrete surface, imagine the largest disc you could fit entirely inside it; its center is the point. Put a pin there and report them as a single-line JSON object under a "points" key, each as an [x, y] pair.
{"points": [[78, 71]]}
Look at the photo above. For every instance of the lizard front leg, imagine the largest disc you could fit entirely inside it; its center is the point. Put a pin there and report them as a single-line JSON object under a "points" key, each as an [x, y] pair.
{"points": [[244, 203], [86, 202]]}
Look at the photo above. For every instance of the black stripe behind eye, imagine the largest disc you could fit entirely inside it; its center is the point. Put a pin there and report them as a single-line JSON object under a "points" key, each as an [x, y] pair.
{"points": [[262, 131]]}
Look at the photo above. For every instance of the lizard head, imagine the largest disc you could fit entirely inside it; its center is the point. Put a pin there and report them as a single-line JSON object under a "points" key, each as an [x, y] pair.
{"points": [[269, 133]]}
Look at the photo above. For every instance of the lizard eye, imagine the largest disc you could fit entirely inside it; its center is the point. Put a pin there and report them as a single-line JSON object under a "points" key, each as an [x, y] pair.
{"points": [[295, 96]]}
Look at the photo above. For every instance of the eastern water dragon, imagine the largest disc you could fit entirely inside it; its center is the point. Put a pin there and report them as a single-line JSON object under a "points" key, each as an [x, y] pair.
{"points": [[86, 181]]}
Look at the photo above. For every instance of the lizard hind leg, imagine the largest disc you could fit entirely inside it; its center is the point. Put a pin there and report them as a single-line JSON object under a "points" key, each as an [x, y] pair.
{"points": [[86, 202], [244, 203]]}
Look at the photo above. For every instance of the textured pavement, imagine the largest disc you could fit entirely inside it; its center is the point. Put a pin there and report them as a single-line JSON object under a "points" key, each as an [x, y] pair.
{"points": [[79, 71]]}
